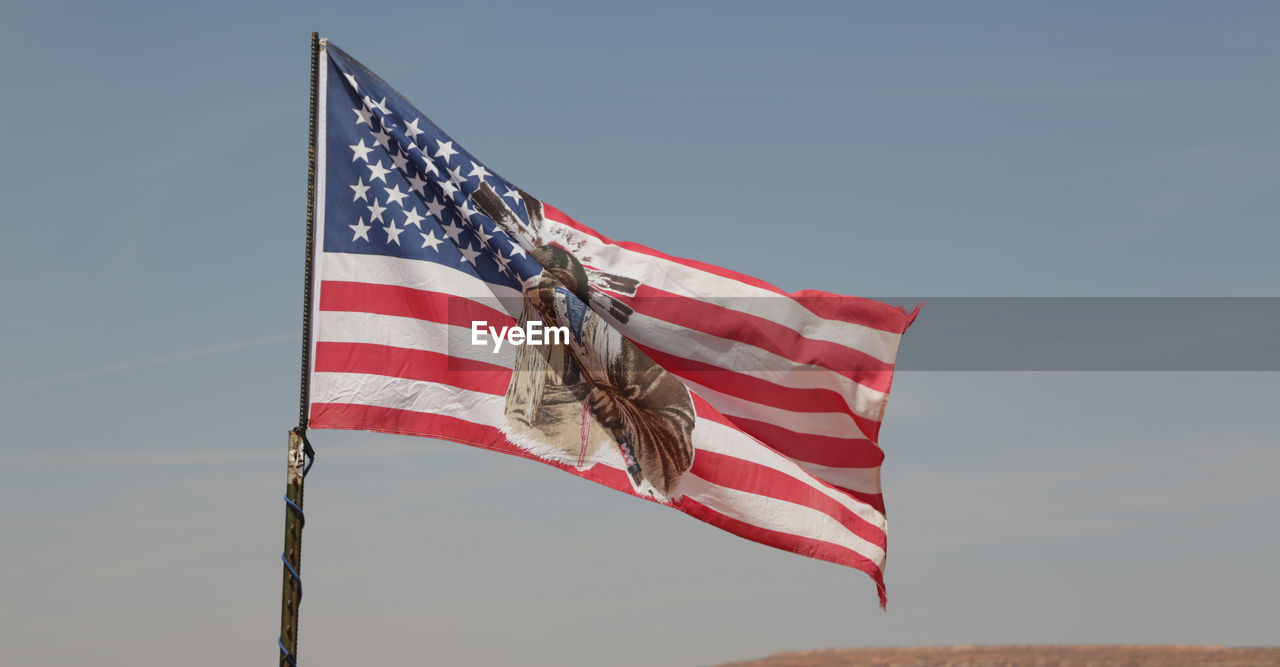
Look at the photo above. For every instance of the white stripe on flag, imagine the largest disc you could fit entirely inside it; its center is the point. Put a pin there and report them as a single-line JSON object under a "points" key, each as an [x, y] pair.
{"points": [[417, 274], [863, 480], [833, 424], [412, 395], [410, 334]]}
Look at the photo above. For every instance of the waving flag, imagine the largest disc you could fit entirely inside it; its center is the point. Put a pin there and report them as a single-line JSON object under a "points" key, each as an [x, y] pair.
{"points": [[452, 304]]}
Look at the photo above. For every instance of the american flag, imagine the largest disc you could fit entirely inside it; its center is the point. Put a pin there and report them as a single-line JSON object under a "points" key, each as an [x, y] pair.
{"points": [[417, 240]]}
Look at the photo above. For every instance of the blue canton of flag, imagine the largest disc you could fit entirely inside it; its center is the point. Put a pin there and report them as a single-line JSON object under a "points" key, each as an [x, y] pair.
{"points": [[405, 192]]}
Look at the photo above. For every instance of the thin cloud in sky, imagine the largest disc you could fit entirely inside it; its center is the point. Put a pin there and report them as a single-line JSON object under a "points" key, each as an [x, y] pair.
{"points": [[124, 366]]}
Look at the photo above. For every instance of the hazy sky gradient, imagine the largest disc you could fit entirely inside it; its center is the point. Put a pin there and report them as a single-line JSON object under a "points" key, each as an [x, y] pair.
{"points": [[154, 190]]}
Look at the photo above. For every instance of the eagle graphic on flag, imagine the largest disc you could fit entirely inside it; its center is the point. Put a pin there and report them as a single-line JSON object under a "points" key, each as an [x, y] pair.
{"points": [[720, 395]]}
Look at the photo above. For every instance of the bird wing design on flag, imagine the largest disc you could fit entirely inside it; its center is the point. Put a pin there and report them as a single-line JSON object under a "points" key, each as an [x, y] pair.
{"points": [[597, 376]]}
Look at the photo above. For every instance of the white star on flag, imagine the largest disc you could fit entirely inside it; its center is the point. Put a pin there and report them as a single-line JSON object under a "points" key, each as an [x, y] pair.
{"points": [[465, 210], [362, 230], [418, 185], [456, 177], [362, 190], [380, 105], [411, 129], [504, 263], [400, 159], [361, 151], [470, 254], [378, 172], [453, 230], [430, 240], [375, 211], [412, 217], [434, 208], [445, 150], [393, 234], [394, 195]]}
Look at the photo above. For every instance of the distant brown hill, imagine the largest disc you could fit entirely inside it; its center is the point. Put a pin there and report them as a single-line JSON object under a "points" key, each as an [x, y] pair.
{"points": [[1038, 656]]}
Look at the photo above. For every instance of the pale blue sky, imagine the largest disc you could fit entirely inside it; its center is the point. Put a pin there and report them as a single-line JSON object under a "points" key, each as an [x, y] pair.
{"points": [[154, 189]]}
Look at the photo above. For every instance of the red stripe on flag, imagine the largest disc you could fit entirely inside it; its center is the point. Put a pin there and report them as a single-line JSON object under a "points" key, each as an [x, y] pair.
{"points": [[787, 542], [556, 215], [855, 309], [749, 387], [820, 449], [875, 500], [410, 364], [404, 422], [399, 301]]}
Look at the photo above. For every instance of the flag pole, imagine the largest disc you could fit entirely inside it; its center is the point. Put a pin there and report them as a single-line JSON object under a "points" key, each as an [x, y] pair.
{"points": [[300, 453]]}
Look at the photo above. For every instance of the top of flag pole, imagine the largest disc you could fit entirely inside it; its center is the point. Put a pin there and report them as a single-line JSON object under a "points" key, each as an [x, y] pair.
{"points": [[317, 44]]}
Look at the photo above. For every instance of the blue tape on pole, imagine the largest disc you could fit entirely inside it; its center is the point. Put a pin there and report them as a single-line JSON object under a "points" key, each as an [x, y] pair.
{"points": [[302, 522]]}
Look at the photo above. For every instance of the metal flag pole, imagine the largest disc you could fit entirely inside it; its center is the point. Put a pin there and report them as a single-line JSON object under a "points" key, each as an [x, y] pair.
{"points": [[301, 455]]}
